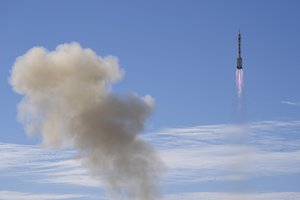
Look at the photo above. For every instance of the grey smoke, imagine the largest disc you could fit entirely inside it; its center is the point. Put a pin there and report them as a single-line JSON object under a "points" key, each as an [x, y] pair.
{"points": [[68, 99]]}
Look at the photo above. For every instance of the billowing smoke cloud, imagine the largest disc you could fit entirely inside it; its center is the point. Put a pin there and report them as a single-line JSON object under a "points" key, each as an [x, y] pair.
{"points": [[69, 101]]}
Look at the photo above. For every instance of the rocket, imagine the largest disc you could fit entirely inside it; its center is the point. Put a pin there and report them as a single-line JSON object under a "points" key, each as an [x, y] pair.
{"points": [[239, 59]]}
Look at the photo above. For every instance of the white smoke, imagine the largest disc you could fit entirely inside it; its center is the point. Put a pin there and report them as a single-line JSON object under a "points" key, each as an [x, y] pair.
{"points": [[69, 101], [239, 81]]}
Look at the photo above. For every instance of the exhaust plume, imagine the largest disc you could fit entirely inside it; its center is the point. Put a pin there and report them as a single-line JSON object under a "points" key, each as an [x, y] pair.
{"points": [[239, 81], [69, 101]]}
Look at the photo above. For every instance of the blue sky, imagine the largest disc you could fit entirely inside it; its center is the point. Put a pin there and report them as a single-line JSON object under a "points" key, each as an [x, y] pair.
{"points": [[182, 53]]}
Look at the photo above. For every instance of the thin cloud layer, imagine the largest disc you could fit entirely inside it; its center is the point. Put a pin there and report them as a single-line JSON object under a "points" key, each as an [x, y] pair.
{"points": [[197, 156], [291, 103], [207, 153], [236, 196], [13, 195]]}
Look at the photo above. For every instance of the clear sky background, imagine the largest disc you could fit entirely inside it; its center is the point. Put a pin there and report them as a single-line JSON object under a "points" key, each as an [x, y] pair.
{"points": [[182, 53]]}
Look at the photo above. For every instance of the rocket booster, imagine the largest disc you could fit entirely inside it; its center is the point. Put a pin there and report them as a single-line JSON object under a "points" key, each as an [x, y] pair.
{"points": [[239, 59]]}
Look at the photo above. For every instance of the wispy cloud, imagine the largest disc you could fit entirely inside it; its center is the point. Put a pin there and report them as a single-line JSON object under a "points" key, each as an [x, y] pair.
{"points": [[200, 154], [291, 103], [229, 152], [235, 196], [45, 165], [13, 195]]}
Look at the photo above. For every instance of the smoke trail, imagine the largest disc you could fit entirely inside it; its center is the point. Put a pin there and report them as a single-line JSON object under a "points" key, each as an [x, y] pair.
{"points": [[239, 81], [68, 100], [239, 139]]}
